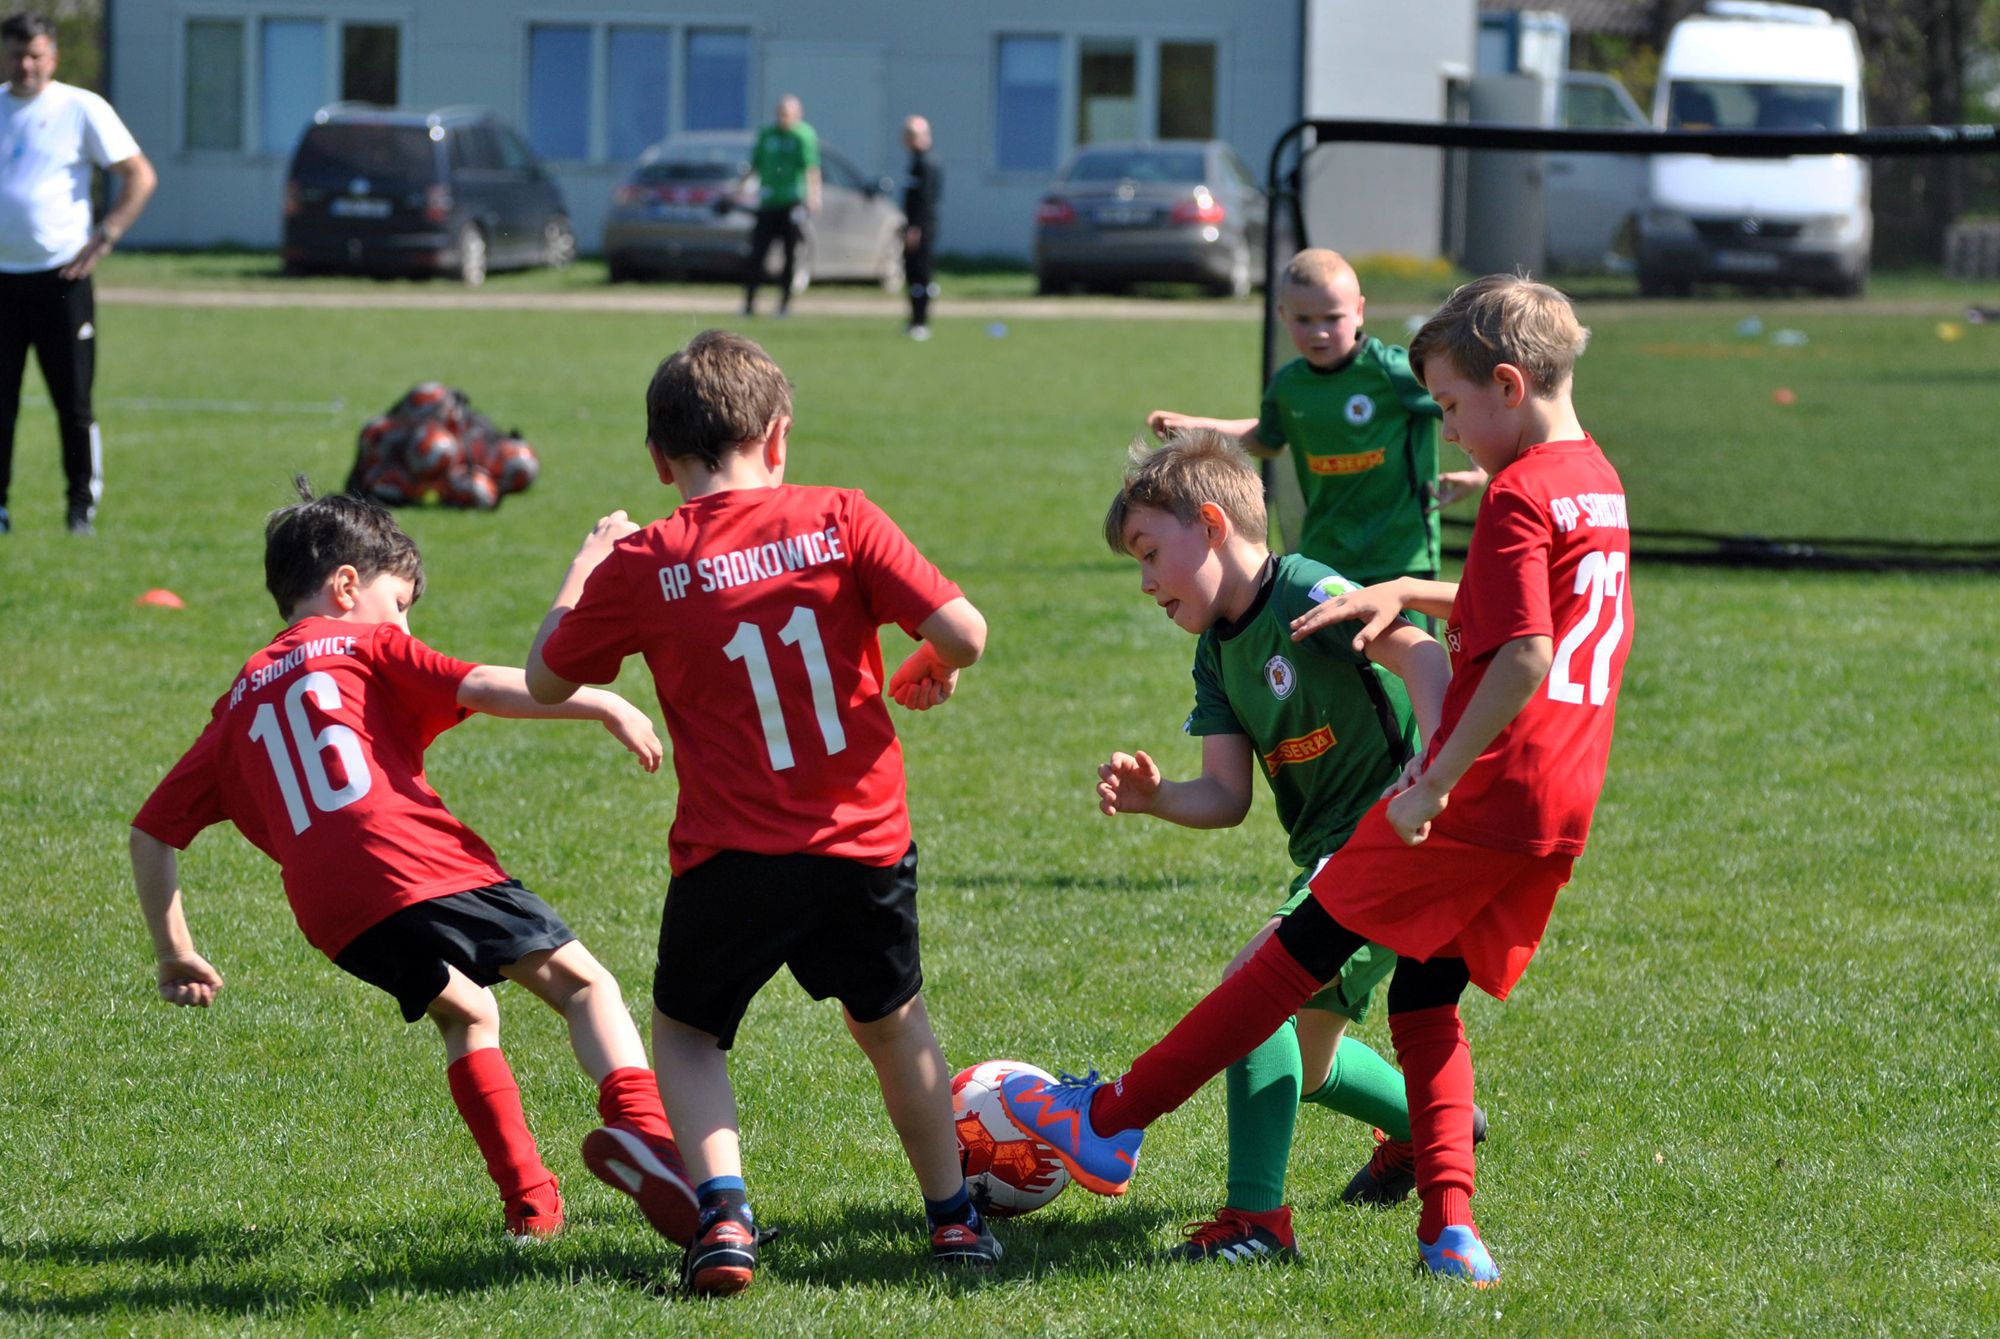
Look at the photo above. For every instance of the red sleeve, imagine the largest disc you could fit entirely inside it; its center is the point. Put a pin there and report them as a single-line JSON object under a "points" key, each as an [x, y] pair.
{"points": [[900, 584], [190, 797], [422, 684], [1507, 571], [594, 638]]}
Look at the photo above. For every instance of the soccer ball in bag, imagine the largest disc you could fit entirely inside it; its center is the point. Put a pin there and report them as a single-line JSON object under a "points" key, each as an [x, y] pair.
{"points": [[1009, 1173]]}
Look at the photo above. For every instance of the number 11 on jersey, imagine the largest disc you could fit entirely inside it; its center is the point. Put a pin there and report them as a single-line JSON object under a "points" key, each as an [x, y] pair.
{"points": [[802, 631]]}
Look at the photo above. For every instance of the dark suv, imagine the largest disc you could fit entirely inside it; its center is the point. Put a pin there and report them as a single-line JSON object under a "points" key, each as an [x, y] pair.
{"points": [[453, 191]]}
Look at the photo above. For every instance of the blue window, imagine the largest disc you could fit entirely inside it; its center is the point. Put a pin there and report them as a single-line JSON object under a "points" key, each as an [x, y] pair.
{"points": [[559, 90], [294, 80], [212, 96], [718, 81], [640, 59], [1026, 117]]}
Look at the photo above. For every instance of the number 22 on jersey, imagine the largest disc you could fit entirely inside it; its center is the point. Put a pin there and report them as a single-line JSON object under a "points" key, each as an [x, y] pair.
{"points": [[801, 630]]}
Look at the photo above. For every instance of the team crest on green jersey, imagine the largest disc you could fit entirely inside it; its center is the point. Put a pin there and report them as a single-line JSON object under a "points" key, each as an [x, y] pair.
{"points": [[1278, 673], [1360, 409]]}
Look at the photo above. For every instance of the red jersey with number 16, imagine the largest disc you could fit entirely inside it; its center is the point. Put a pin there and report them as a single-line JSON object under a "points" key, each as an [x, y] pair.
{"points": [[1549, 557], [316, 753], [757, 611]]}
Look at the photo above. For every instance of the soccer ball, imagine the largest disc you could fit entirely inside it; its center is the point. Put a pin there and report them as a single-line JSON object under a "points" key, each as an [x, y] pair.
{"points": [[1008, 1173]]}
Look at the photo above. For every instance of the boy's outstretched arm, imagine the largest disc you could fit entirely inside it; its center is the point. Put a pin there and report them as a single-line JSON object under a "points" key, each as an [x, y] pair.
{"points": [[499, 690], [544, 685], [1513, 676], [1452, 485], [1375, 608], [185, 977], [1414, 656], [1218, 798], [953, 638]]}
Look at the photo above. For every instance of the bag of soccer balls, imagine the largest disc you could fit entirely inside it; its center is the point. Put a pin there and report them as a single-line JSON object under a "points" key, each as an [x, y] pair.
{"points": [[433, 443]]}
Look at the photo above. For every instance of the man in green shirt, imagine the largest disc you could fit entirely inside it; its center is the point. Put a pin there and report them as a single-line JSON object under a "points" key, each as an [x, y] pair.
{"points": [[1363, 433], [1329, 727], [785, 160]]}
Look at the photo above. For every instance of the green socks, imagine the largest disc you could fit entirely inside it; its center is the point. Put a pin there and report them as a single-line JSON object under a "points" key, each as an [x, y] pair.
{"points": [[1263, 1090], [1362, 1085]]}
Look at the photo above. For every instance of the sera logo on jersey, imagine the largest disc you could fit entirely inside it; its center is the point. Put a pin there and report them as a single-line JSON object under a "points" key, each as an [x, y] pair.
{"points": [[1283, 678]]}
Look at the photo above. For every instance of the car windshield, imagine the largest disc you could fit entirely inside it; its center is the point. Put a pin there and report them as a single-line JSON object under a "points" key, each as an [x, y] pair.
{"points": [[1715, 104], [1139, 165], [694, 162], [395, 152]]}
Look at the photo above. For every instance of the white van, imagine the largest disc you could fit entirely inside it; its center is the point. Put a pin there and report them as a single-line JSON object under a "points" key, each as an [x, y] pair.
{"points": [[1744, 65]]}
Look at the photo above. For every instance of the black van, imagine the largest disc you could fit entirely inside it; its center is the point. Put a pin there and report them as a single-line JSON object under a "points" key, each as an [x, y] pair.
{"points": [[454, 191]]}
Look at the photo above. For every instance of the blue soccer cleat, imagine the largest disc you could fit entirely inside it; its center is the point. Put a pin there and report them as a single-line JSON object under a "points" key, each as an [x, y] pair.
{"points": [[1458, 1253], [1058, 1114]]}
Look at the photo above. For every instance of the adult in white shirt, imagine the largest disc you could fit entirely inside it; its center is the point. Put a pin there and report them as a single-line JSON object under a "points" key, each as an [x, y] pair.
{"points": [[51, 135]]}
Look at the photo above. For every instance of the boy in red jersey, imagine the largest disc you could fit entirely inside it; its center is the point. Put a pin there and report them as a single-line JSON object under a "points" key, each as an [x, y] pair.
{"points": [[756, 605], [1458, 868], [316, 754]]}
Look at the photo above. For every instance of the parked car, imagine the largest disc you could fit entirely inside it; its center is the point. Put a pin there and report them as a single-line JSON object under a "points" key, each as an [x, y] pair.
{"points": [[1805, 220], [389, 191], [1591, 200], [1166, 210], [688, 206]]}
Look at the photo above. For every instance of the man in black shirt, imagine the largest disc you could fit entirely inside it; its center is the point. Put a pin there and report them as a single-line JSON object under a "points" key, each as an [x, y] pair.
{"points": [[920, 197]]}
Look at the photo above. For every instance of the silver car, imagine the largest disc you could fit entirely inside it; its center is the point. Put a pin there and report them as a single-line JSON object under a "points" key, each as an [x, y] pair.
{"points": [[687, 208], [1167, 210]]}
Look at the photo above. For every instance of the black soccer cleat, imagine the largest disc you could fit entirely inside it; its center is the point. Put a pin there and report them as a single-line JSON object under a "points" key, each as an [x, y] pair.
{"points": [[1391, 1172]]}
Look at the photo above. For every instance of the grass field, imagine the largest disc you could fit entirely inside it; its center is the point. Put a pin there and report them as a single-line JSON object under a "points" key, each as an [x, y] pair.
{"points": [[1749, 1086]]}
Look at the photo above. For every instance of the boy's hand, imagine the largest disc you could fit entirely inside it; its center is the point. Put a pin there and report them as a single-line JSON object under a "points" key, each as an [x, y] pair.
{"points": [[1128, 784], [634, 729], [1412, 810], [1163, 423], [1374, 607], [922, 681], [1453, 485], [597, 544], [1412, 769], [187, 979]]}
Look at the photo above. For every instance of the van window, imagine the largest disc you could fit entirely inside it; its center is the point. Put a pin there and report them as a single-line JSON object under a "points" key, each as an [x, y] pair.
{"points": [[1713, 104], [396, 153]]}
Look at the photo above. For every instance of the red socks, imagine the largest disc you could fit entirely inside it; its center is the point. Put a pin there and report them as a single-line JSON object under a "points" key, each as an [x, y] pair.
{"points": [[632, 1095], [483, 1089], [1437, 1069], [1230, 1022]]}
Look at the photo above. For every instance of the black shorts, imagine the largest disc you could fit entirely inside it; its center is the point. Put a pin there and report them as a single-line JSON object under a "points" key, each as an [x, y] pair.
{"points": [[847, 930], [478, 931]]}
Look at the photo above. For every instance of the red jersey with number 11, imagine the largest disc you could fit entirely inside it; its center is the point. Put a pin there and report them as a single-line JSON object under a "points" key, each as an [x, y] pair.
{"points": [[757, 611], [1549, 557], [316, 753]]}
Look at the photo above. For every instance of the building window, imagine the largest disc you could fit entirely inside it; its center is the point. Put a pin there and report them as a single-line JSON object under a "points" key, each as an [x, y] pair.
{"points": [[1029, 104], [1187, 90], [1107, 91], [559, 78], [371, 63], [640, 63], [212, 103], [718, 80], [292, 74]]}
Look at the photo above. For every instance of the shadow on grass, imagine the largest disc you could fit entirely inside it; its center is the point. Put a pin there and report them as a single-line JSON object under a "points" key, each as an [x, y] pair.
{"points": [[222, 1268]]}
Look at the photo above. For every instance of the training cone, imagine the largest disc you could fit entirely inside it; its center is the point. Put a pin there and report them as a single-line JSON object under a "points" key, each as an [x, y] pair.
{"points": [[160, 598], [1784, 395]]}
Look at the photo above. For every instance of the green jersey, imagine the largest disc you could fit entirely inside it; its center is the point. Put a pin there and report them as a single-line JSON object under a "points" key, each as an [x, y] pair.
{"points": [[780, 160], [1330, 728], [1364, 439]]}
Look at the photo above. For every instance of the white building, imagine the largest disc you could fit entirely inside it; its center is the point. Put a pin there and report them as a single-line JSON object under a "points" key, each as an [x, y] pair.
{"points": [[217, 90]]}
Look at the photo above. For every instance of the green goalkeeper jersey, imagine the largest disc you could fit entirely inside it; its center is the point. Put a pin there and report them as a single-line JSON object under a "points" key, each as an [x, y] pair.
{"points": [[1330, 728], [1364, 439]]}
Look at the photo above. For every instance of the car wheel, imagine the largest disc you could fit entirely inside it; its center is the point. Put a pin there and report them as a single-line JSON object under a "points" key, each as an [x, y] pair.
{"points": [[471, 256], [558, 242], [1051, 285], [889, 270], [802, 267], [1236, 284], [619, 271]]}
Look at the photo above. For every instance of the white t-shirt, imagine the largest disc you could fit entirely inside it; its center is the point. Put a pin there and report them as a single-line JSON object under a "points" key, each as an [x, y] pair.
{"points": [[48, 145]]}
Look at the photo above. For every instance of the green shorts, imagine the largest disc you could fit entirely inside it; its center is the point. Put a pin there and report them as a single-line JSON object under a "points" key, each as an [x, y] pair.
{"points": [[1350, 993]]}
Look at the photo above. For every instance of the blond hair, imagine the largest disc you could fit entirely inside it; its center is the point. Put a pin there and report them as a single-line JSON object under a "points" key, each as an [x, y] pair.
{"points": [[1193, 467], [1317, 267], [1504, 318]]}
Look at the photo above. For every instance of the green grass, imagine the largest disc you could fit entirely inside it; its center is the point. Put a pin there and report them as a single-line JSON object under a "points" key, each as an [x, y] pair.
{"points": [[1748, 1087]]}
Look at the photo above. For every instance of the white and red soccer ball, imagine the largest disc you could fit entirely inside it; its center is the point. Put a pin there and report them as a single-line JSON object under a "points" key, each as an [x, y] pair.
{"points": [[1008, 1172]]}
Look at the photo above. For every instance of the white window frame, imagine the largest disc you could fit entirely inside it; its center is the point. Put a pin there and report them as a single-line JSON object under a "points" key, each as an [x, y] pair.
{"points": [[678, 24], [1146, 40], [253, 17]]}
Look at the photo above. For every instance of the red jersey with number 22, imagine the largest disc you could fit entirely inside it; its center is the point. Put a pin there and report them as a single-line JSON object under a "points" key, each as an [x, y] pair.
{"points": [[1549, 557], [757, 611], [316, 753]]}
